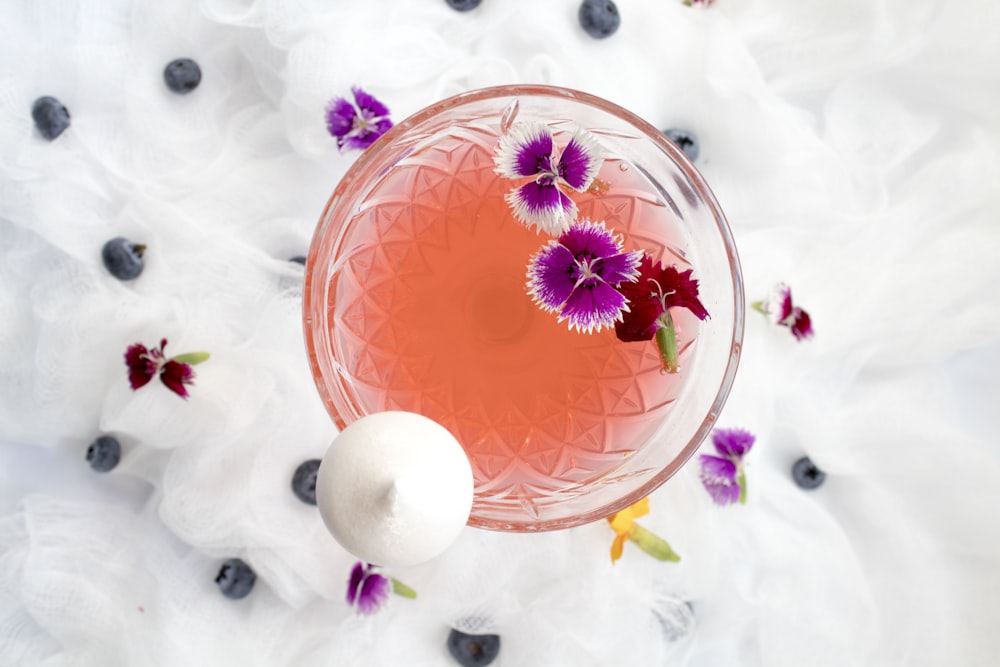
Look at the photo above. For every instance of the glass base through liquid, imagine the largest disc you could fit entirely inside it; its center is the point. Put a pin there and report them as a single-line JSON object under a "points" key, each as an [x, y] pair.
{"points": [[427, 311]]}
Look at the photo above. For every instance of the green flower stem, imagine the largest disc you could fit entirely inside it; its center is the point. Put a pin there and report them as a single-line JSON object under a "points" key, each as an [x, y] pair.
{"points": [[741, 479], [666, 340], [655, 546], [399, 588], [191, 358], [759, 307]]}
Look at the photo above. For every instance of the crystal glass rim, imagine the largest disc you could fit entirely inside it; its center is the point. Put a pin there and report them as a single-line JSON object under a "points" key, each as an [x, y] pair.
{"points": [[313, 293]]}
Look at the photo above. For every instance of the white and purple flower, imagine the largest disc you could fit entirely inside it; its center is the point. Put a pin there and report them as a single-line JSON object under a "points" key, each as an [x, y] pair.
{"points": [[577, 276], [779, 308], [528, 151], [367, 590], [723, 475], [357, 125]]}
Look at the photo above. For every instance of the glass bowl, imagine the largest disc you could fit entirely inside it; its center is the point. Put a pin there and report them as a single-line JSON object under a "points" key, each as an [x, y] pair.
{"points": [[415, 299]]}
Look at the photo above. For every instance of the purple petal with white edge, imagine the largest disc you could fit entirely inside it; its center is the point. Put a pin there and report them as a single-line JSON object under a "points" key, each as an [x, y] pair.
{"points": [[340, 116], [543, 207], [580, 160], [368, 102], [586, 239], [374, 592], [718, 476], [733, 443], [620, 268], [550, 278], [354, 582], [779, 303], [593, 308], [525, 150]]}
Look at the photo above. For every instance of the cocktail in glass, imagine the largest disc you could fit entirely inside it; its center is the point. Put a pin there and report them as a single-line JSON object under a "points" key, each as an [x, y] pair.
{"points": [[415, 299]]}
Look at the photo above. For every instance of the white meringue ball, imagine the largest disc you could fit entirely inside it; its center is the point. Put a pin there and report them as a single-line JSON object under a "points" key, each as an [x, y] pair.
{"points": [[395, 488]]}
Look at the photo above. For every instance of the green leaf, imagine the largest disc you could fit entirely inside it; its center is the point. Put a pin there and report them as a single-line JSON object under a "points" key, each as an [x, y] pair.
{"points": [[401, 589], [191, 358], [655, 546]]}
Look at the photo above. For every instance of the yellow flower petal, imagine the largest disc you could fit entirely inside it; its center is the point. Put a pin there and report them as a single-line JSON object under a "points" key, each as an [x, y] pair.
{"points": [[617, 546], [641, 508], [622, 521]]}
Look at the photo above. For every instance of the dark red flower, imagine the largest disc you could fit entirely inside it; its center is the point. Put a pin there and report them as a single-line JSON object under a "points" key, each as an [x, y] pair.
{"points": [[650, 299], [779, 308], [144, 364], [655, 291]]}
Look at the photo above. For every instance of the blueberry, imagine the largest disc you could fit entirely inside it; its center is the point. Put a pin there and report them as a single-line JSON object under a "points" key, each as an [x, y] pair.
{"points": [[51, 117], [473, 650], [122, 258], [599, 18], [235, 579], [806, 474], [304, 481], [686, 141], [463, 5], [182, 75], [298, 259], [104, 453]]}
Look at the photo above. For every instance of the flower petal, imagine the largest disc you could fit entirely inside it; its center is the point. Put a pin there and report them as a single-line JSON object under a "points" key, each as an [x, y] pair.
{"points": [[354, 582], [340, 115], [361, 139], [779, 303], [593, 307], [586, 239], [373, 594], [620, 268], [368, 102], [617, 546], [550, 276], [140, 368], [801, 324], [525, 150], [580, 161], [732, 443], [175, 375], [641, 321], [681, 291], [719, 478], [543, 206]]}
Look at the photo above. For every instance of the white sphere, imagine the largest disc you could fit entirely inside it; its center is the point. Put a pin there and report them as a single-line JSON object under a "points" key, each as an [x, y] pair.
{"points": [[395, 488]]}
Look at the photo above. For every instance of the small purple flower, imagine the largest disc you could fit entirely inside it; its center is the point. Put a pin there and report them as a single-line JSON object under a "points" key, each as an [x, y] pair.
{"points": [[357, 125], [367, 589], [528, 151], [723, 475], [578, 274], [781, 311]]}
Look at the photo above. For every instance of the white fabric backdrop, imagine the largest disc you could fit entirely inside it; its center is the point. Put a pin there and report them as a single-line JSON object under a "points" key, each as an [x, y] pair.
{"points": [[855, 146]]}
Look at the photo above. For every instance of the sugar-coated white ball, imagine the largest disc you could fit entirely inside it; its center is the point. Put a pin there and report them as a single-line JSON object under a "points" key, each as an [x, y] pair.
{"points": [[395, 488]]}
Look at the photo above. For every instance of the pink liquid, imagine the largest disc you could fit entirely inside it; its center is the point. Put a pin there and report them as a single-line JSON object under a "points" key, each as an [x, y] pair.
{"points": [[432, 316]]}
